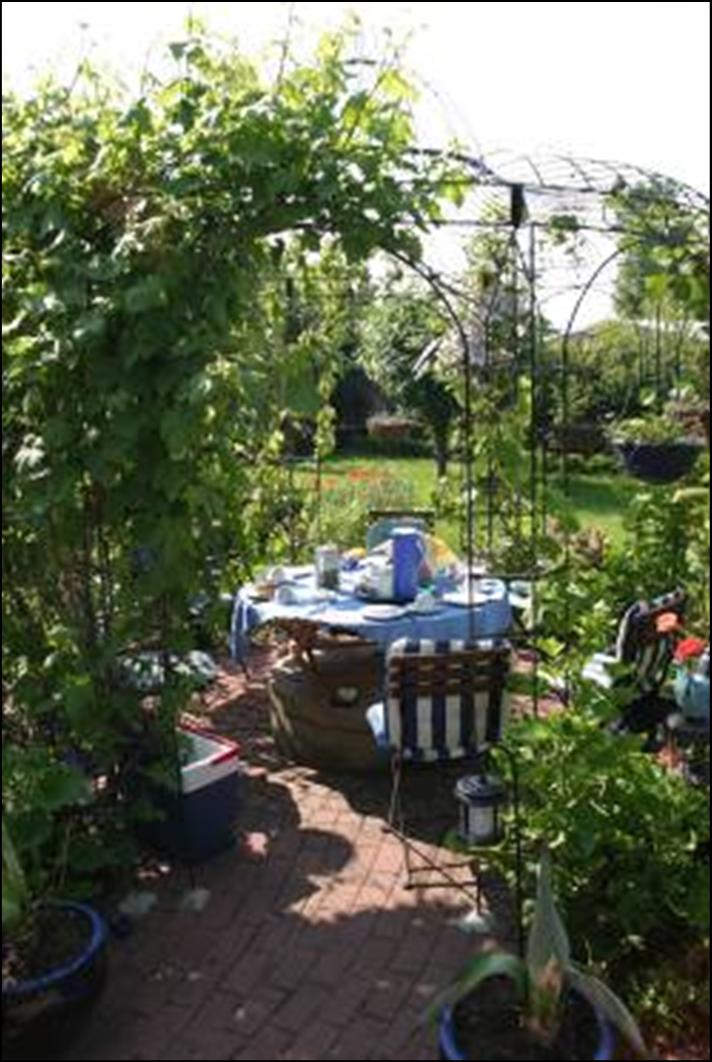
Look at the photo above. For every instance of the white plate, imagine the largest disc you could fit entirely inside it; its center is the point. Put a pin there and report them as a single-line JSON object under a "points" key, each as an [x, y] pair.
{"points": [[382, 612], [432, 611], [462, 599]]}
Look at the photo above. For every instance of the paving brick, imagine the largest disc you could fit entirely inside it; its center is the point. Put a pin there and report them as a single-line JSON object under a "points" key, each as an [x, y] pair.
{"points": [[269, 1044], [310, 1000], [250, 1015], [313, 1042], [309, 948], [361, 1041]]}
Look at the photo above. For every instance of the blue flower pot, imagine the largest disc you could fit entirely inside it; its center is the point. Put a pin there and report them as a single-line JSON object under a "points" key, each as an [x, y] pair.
{"points": [[450, 1049], [42, 1015], [692, 693]]}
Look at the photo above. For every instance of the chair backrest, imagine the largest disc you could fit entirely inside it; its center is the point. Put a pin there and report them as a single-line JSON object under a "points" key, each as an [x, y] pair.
{"points": [[446, 700], [385, 521], [646, 649]]}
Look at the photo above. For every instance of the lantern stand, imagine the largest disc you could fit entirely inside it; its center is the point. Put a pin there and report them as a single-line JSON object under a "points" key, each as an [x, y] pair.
{"points": [[481, 796]]}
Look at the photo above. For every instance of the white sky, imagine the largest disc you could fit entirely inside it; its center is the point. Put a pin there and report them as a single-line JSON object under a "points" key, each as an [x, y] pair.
{"points": [[625, 81], [621, 81]]}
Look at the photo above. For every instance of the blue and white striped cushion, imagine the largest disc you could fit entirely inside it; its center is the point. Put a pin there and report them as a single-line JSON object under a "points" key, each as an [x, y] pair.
{"points": [[443, 726], [647, 651]]}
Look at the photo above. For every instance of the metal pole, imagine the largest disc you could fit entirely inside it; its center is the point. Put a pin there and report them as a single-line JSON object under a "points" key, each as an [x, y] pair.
{"points": [[518, 848], [469, 480], [533, 444]]}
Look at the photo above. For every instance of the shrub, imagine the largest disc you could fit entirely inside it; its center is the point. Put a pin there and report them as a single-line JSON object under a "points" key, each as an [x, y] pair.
{"points": [[629, 837]]}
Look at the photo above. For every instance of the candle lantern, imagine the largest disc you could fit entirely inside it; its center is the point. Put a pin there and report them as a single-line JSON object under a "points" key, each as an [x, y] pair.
{"points": [[481, 798]]}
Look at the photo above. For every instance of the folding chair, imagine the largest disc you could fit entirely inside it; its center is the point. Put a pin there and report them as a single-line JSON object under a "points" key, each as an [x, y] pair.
{"points": [[646, 647], [444, 701]]}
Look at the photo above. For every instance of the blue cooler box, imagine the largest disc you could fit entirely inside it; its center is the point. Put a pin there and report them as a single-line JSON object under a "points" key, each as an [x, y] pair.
{"points": [[200, 822]]}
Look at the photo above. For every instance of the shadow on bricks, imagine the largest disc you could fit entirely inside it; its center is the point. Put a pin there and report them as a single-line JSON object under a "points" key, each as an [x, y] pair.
{"points": [[308, 946]]}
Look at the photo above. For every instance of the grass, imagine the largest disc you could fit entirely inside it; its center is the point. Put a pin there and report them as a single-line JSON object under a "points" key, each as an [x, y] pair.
{"points": [[599, 499]]}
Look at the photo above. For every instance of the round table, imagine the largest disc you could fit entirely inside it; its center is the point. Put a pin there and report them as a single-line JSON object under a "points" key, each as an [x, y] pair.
{"points": [[490, 617], [318, 713]]}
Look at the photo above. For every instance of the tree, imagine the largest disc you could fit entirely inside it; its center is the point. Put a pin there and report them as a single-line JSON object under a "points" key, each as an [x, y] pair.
{"points": [[397, 330], [663, 276], [665, 253], [138, 235]]}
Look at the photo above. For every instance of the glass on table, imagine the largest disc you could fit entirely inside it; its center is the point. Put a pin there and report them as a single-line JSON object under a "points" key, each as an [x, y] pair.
{"points": [[327, 566]]}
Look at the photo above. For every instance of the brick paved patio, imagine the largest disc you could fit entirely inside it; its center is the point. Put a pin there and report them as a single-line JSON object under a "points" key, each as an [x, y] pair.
{"points": [[309, 946]]}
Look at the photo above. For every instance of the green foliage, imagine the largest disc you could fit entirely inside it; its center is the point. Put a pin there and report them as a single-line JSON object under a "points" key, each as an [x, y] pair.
{"points": [[611, 365], [14, 887], [628, 836], [665, 253], [650, 429], [161, 258], [396, 331], [347, 500]]}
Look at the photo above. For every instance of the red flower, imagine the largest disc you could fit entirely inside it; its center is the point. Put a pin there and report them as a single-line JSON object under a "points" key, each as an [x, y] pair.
{"points": [[689, 648]]}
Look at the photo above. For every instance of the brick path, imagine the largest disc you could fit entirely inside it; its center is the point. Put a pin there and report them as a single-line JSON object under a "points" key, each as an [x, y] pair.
{"points": [[309, 947]]}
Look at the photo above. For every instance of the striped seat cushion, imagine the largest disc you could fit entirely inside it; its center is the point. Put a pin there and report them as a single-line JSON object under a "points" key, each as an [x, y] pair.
{"points": [[445, 700]]}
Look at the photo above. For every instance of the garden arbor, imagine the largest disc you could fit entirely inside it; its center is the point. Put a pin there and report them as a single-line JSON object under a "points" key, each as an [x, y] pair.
{"points": [[163, 258], [550, 238]]}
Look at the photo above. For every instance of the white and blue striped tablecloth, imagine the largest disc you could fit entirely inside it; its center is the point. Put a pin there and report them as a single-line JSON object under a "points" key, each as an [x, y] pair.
{"points": [[490, 617]]}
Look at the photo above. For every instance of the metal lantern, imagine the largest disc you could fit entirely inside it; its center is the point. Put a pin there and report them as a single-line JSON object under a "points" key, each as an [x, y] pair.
{"points": [[481, 798]]}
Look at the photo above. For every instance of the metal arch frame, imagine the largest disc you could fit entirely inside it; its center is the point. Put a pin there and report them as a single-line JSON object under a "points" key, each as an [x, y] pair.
{"points": [[584, 184], [578, 184]]}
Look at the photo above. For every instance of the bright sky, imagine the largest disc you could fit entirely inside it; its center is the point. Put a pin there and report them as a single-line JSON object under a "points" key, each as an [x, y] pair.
{"points": [[626, 81], [621, 81]]}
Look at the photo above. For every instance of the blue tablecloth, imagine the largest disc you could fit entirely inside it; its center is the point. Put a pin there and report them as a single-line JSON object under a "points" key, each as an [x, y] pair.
{"points": [[491, 617]]}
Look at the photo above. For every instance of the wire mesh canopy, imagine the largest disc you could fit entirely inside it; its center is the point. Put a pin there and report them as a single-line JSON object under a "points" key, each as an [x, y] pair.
{"points": [[572, 179]]}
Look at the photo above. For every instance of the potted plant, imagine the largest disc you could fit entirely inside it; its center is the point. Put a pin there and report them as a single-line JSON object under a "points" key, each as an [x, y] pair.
{"points": [[655, 448], [692, 680], [543, 1006], [54, 965]]}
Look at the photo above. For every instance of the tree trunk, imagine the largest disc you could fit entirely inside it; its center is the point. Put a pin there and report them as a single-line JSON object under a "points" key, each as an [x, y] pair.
{"points": [[440, 442]]}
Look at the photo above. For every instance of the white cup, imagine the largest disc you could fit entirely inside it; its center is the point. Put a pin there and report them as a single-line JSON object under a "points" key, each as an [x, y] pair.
{"points": [[285, 595], [425, 602], [275, 575]]}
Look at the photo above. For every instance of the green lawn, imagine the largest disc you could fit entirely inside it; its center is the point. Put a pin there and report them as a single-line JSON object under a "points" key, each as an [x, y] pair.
{"points": [[600, 499]]}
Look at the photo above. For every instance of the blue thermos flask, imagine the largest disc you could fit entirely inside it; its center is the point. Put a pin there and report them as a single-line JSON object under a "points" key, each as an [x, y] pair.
{"points": [[408, 555]]}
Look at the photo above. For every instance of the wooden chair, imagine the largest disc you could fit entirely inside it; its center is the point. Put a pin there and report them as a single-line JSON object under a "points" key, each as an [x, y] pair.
{"points": [[444, 702]]}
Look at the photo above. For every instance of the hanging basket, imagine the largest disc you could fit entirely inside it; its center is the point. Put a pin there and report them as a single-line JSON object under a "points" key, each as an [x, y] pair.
{"points": [[658, 462]]}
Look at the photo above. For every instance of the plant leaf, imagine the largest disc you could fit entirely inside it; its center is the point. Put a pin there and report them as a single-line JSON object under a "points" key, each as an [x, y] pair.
{"points": [[548, 938], [14, 886], [481, 968], [604, 999]]}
